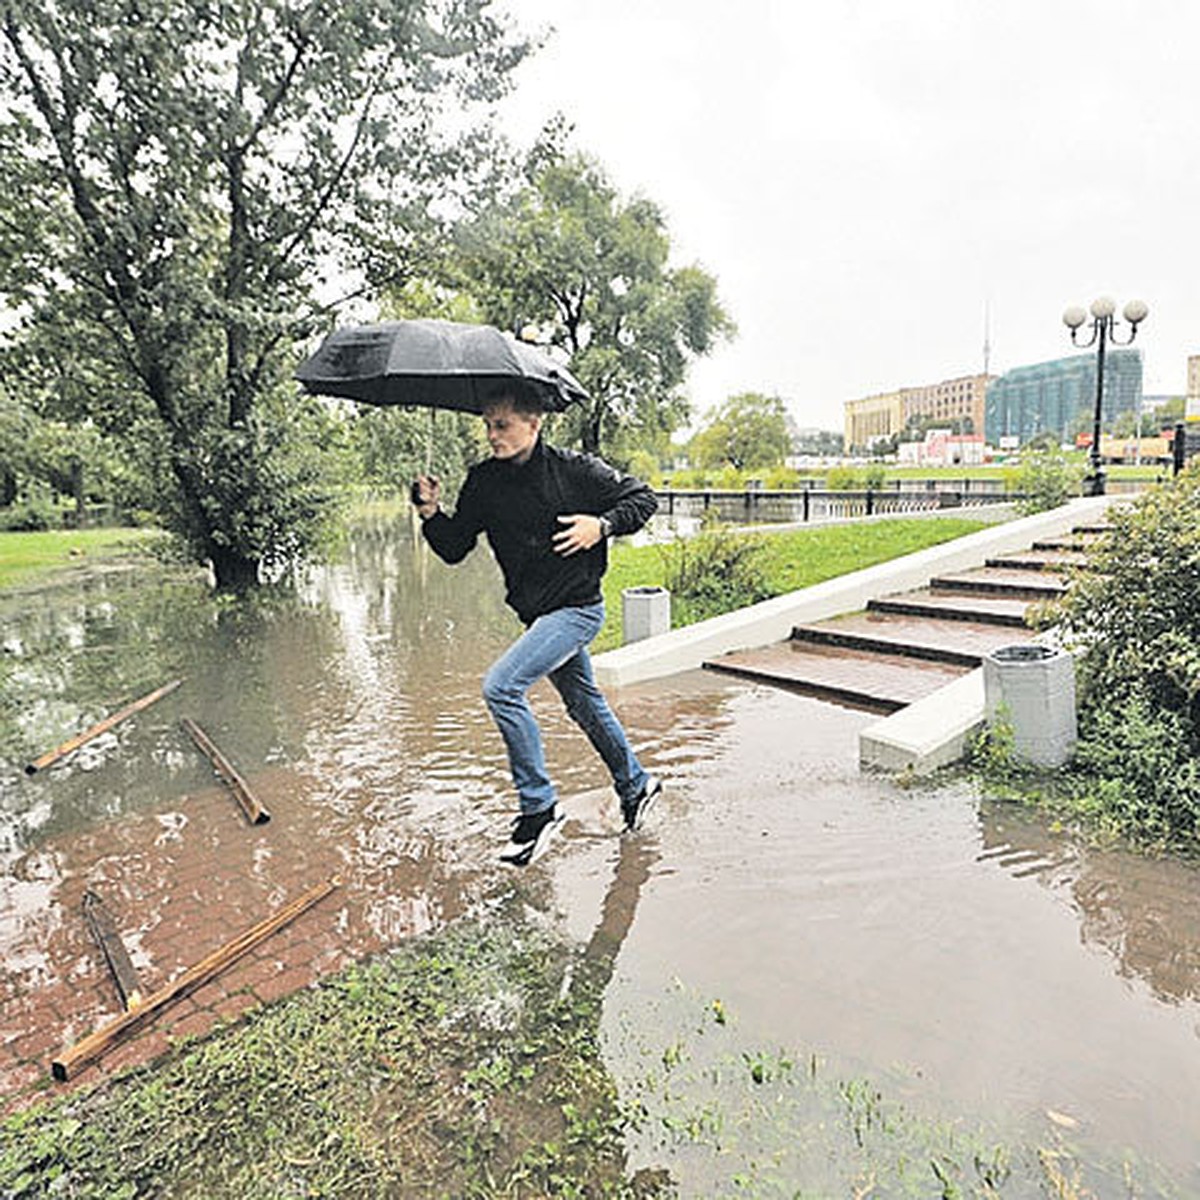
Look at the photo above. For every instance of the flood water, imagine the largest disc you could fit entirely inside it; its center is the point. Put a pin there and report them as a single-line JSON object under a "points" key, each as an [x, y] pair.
{"points": [[983, 968]]}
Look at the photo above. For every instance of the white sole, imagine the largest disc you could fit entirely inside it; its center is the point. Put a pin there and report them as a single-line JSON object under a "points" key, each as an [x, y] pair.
{"points": [[540, 846]]}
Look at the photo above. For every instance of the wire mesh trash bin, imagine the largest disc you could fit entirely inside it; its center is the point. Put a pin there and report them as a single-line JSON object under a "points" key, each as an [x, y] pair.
{"points": [[1033, 687], [645, 611]]}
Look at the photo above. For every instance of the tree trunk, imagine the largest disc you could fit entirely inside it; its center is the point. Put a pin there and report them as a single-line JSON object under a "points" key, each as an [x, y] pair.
{"points": [[591, 431], [78, 492], [234, 572]]}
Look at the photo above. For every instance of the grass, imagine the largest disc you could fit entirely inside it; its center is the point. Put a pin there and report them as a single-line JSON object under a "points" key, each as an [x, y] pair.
{"points": [[795, 559], [454, 1067], [470, 1064], [32, 557]]}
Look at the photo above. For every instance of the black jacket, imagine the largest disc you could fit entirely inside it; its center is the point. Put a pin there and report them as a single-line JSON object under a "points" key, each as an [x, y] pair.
{"points": [[517, 506]]}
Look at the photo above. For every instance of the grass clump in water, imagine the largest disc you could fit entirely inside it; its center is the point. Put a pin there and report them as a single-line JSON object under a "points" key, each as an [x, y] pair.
{"points": [[451, 1067]]}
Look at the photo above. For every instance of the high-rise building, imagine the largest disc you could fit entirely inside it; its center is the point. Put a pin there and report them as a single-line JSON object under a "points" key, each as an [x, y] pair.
{"points": [[958, 402], [1060, 396]]}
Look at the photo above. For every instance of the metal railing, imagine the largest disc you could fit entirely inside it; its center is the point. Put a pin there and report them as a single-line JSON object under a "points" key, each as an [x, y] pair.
{"points": [[754, 505]]}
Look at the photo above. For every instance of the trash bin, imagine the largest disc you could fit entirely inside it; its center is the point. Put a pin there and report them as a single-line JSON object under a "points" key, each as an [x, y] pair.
{"points": [[645, 611], [1033, 686]]}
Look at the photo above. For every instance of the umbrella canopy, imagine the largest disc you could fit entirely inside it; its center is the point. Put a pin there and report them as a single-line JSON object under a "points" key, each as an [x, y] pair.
{"points": [[434, 364]]}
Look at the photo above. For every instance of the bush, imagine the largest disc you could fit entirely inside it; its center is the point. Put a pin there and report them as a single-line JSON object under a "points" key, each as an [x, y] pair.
{"points": [[1135, 619], [1047, 477], [33, 512], [714, 572], [855, 479]]}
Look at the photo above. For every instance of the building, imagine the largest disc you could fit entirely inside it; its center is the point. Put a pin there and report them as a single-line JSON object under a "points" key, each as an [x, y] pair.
{"points": [[873, 418], [1192, 408], [941, 448], [959, 401], [1060, 397]]}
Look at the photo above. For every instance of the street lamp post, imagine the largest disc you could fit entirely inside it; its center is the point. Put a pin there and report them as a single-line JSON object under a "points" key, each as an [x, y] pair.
{"points": [[1104, 324]]}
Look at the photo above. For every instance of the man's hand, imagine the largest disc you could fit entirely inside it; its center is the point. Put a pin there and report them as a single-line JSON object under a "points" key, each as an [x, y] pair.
{"points": [[426, 494], [580, 532]]}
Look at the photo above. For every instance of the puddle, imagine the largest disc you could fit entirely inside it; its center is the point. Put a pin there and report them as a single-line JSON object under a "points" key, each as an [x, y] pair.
{"points": [[982, 969]]}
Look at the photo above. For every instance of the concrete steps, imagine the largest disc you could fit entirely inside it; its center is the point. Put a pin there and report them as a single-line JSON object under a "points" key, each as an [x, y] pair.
{"points": [[1041, 560], [873, 680], [905, 646], [938, 639]]}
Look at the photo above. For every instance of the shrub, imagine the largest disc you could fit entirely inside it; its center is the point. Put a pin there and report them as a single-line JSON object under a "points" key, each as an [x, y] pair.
{"points": [[1135, 618], [715, 571], [855, 479], [33, 512], [1047, 477]]}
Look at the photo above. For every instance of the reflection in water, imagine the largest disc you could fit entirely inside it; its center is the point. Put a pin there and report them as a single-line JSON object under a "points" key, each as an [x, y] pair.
{"points": [[828, 909], [350, 704], [1144, 912]]}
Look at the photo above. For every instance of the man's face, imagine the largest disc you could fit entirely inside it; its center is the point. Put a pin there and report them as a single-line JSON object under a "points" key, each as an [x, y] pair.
{"points": [[511, 435]]}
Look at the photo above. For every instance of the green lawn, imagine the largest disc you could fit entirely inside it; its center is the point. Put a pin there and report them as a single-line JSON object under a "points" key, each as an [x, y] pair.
{"points": [[28, 557], [796, 559]]}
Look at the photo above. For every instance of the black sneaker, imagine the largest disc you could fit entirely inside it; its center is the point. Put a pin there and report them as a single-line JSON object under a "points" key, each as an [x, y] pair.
{"points": [[531, 835], [635, 810]]}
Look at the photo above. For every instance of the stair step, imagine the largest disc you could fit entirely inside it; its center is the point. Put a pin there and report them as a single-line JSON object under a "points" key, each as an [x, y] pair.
{"points": [[1041, 585], [934, 638], [1039, 559], [878, 682], [1073, 545], [958, 606]]}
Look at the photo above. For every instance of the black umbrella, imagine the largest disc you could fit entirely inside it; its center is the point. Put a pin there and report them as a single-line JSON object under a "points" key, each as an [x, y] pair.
{"points": [[435, 364]]}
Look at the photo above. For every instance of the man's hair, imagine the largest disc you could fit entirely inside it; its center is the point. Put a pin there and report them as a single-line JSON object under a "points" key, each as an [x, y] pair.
{"points": [[523, 399]]}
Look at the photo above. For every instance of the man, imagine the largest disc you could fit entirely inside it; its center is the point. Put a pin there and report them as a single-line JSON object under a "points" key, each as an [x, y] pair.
{"points": [[547, 514]]}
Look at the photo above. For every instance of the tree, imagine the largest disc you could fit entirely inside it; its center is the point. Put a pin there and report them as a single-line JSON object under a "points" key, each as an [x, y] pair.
{"points": [[749, 431], [1134, 616], [183, 179], [567, 254], [395, 444]]}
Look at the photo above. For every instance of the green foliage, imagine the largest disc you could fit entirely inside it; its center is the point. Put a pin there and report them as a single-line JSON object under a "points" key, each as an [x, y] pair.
{"points": [[855, 479], [748, 431], [781, 479], [184, 180], [715, 571], [792, 560], [453, 1067], [1047, 477], [1135, 618], [568, 255], [644, 465], [34, 510]]}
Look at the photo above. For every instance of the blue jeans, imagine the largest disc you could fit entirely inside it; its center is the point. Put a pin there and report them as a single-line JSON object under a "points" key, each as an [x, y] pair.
{"points": [[555, 647]]}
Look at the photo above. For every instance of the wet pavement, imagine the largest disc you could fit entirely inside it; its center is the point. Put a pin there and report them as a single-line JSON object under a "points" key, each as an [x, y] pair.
{"points": [[983, 963]]}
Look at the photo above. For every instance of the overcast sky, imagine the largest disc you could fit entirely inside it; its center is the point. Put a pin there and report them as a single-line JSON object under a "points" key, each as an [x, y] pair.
{"points": [[866, 177]]}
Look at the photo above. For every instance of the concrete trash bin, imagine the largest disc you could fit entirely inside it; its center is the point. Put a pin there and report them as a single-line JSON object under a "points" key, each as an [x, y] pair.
{"points": [[1035, 686], [645, 611]]}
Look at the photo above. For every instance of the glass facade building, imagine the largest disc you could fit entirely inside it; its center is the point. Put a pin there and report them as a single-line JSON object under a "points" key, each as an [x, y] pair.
{"points": [[1060, 396]]}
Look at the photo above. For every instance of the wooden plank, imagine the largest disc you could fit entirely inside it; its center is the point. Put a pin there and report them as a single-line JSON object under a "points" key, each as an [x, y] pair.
{"points": [[104, 930], [96, 1044], [251, 806], [100, 727]]}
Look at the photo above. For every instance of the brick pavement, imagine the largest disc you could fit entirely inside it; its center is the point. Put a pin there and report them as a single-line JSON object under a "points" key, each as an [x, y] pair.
{"points": [[179, 885]]}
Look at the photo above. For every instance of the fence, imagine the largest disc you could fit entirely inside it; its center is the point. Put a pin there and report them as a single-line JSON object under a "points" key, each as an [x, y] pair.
{"points": [[813, 504]]}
